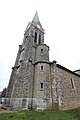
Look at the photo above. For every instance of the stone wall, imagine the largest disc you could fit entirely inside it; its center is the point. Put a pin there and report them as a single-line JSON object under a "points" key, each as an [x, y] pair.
{"points": [[12, 79], [55, 86], [42, 53], [42, 76], [70, 89]]}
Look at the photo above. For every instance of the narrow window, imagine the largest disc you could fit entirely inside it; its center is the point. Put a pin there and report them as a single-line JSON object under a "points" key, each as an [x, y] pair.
{"points": [[39, 39], [41, 50], [41, 85], [20, 61], [26, 36], [72, 83], [41, 68], [35, 39]]}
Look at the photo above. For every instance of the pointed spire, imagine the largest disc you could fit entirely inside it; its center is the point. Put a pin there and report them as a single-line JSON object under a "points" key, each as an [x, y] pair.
{"points": [[36, 21], [36, 18]]}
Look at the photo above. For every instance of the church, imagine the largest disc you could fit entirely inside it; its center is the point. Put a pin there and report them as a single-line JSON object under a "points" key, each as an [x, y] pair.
{"points": [[35, 82]]}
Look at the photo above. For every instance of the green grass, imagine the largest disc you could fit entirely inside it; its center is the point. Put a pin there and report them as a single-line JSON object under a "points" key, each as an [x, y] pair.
{"points": [[47, 115]]}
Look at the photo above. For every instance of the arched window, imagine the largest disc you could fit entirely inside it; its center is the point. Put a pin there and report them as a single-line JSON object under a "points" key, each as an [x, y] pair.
{"points": [[39, 39], [72, 83], [41, 85], [35, 39], [41, 67]]}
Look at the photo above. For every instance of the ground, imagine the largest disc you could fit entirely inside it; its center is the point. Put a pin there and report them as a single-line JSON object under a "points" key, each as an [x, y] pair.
{"points": [[37, 115], [3, 110]]}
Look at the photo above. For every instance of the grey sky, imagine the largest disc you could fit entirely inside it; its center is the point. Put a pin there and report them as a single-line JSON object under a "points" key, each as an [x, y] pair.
{"points": [[59, 18]]}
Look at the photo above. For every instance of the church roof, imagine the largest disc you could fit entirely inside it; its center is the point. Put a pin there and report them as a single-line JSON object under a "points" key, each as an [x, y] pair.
{"points": [[60, 66], [64, 68]]}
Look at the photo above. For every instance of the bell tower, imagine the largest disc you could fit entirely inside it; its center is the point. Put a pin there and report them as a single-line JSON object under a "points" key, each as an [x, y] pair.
{"points": [[39, 31], [36, 30], [28, 86]]}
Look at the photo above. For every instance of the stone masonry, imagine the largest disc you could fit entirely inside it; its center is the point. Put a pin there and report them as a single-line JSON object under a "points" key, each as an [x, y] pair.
{"points": [[36, 82]]}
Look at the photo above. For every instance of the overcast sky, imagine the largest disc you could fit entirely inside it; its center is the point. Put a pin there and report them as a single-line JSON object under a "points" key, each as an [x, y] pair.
{"points": [[59, 18]]}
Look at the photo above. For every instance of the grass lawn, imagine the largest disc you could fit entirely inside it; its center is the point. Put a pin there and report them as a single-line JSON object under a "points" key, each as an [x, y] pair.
{"points": [[47, 115]]}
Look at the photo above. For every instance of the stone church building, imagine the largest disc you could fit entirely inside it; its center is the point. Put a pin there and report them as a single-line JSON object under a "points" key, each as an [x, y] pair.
{"points": [[36, 82]]}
